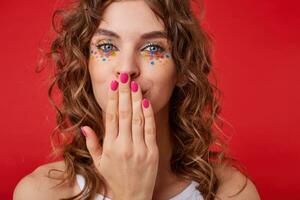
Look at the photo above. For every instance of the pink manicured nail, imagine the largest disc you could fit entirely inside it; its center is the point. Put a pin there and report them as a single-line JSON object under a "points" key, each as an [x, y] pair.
{"points": [[145, 103], [124, 77], [83, 132], [114, 85], [134, 86]]}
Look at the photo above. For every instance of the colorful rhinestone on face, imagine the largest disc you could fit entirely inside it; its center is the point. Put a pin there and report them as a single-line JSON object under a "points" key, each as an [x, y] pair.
{"points": [[100, 54], [155, 56]]}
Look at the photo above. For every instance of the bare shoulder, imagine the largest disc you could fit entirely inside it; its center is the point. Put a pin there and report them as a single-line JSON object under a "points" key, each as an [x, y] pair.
{"points": [[231, 183], [38, 184]]}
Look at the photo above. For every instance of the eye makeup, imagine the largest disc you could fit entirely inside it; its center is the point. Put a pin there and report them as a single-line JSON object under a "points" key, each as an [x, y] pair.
{"points": [[103, 50], [155, 54]]}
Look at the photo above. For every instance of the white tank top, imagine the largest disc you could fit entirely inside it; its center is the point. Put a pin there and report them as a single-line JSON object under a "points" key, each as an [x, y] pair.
{"points": [[189, 193]]}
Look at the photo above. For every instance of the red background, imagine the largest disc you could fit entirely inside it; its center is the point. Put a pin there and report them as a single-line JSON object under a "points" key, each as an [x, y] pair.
{"points": [[256, 58]]}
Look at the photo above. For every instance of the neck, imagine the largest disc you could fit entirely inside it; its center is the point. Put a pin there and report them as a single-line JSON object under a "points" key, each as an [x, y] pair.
{"points": [[163, 138]]}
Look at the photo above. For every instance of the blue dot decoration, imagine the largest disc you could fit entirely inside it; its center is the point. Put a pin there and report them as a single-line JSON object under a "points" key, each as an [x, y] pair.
{"points": [[103, 59], [152, 62]]}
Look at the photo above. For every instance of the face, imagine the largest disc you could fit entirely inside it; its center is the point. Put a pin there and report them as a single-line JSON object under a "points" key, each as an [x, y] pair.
{"points": [[131, 39]]}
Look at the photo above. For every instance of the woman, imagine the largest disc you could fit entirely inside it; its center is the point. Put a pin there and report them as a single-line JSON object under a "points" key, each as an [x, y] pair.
{"points": [[134, 81]]}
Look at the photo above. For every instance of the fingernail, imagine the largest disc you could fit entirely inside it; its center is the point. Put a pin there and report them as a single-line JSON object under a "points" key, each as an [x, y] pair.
{"points": [[134, 86], [83, 132], [124, 77], [114, 85], [145, 103]]}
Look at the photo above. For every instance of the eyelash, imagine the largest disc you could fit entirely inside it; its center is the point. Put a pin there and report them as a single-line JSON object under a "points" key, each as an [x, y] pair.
{"points": [[103, 44], [160, 49]]}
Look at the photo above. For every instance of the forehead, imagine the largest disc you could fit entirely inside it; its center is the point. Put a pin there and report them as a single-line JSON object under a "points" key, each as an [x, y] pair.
{"points": [[130, 17]]}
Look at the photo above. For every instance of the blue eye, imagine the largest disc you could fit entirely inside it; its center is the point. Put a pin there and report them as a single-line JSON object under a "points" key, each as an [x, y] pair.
{"points": [[154, 48], [106, 47]]}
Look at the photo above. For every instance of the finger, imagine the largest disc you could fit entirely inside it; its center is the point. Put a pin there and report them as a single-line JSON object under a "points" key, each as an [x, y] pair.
{"points": [[149, 127], [137, 115], [124, 108], [92, 143], [111, 115]]}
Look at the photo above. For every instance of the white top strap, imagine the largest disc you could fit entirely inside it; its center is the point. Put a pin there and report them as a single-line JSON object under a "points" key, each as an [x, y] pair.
{"points": [[189, 193]]}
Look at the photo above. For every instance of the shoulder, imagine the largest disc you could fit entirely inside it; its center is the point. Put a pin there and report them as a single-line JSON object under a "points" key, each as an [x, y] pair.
{"points": [[38, 184], [234, 185]]}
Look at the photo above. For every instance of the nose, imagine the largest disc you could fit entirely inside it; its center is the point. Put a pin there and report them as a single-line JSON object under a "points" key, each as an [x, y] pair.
{"points": [[132, 71], [128, 64]]}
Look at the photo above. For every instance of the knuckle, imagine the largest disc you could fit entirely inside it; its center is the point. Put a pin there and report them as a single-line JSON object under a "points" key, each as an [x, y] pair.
{"points": [[113, 98], [111, 117], [124, 89], [126, 154], [138, 120], [125, 114], [150, 130], [148, 116], [141, 156], [136, 99]]}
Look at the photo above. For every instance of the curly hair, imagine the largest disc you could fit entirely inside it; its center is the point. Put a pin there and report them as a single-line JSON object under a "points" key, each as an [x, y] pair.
{"points": [[198, 146]]}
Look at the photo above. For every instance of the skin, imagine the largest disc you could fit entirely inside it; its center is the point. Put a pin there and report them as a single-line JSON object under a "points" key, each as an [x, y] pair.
{"points": [[158, 80], [150, 66]]}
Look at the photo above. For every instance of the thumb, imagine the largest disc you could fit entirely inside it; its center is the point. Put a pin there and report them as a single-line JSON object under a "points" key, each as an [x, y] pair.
{"points": [[92, 143]]}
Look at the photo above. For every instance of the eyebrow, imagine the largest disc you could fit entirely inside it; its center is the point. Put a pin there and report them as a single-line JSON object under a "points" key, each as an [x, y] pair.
{"points": [[149, 35]]}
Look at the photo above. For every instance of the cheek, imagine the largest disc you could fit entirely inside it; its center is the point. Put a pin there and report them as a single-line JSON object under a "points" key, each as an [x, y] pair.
{"points": [[101, 56], [162, 91], [100, 73], [162, 73], [157, 58]]}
